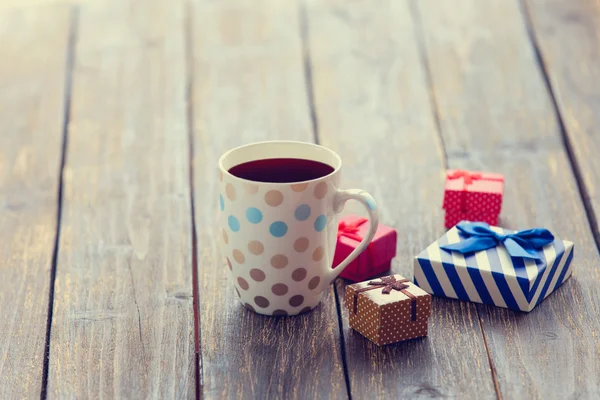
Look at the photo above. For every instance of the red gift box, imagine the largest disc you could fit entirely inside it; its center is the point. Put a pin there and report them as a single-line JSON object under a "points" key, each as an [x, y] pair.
{"points": [[377, 257], [472, 196]]}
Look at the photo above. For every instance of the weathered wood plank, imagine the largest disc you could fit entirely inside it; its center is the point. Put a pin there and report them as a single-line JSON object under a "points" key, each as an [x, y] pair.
{"points": [[496, 114], [373, 107], [33, 51], [249, 86], [123, 317], [568, 35]]}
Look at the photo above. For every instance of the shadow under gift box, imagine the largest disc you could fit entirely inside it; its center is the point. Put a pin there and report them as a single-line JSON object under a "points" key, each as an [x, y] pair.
{"points": [[492, 276], [375, 260], [386, 318], [453, 218]]}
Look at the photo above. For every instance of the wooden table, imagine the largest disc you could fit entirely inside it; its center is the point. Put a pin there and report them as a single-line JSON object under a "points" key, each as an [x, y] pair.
{"points": [[112, 118]]}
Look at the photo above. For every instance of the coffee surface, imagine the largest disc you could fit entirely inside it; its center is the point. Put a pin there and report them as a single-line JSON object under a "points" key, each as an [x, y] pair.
{"points": [[281, 170]]}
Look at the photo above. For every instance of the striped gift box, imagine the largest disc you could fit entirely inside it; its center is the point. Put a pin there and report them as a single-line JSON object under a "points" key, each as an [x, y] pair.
{"points": [[492, 276]]}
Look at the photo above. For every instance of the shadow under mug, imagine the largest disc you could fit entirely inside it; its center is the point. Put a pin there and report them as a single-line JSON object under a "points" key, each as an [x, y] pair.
{"points": [[280, 238]]}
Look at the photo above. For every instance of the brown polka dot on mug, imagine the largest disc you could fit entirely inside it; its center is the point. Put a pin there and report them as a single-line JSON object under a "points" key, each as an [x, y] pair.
{"points": [[297, 300], [301, 244], [242, 282], [299, 187], [320, 190], [230, 191], [318, 254], [256, 247], [274, 198], [251, 188], [225, 237], [280, 313], [279, 289], [279, 261], [257, 275], [299, 274], [238, 256], [262, 302], [314, 282]]}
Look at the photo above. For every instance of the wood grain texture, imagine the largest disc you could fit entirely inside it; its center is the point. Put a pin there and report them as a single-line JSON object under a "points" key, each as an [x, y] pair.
{"points": [[568, 35], [32, 104], [123, 316], [249, 86], [373, 107], [496, 114]]}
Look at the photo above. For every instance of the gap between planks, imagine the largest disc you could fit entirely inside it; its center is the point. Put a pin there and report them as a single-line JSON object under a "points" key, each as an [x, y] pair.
{"points": [[189, 64], [414, 9], [303, 16], [307, 66], [421, 46], [73, 29]]}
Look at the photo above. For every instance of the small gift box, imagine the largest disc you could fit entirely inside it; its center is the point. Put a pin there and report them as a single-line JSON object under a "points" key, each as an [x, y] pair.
{"points": [[487, 264], [389, 310], [472, 196], [375, 260]]}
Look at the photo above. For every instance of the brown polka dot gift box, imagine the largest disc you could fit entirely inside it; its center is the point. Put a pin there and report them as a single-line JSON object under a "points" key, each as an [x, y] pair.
{"points": [[388, 310], [472, 196]]}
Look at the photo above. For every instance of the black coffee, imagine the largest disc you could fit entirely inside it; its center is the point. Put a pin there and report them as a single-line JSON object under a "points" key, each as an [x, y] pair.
{"points": [[281, 170]]}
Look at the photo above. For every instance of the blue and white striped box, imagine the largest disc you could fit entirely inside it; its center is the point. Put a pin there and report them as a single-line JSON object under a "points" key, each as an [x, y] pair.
{"points": [[492, 276]]}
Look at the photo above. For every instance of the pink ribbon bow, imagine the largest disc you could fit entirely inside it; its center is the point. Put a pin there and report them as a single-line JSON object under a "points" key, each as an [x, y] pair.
{"points": [[350, 229], [467, 176]]}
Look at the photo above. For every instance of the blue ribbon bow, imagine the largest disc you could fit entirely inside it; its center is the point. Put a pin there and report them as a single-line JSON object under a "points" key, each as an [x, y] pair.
{"points": [[518, 244]]}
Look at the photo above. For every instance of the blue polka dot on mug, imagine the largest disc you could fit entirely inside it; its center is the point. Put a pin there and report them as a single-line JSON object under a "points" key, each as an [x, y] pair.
{"points": [[302, 212], [278, 229], [233, 223], [320, 223], [254, 215]]}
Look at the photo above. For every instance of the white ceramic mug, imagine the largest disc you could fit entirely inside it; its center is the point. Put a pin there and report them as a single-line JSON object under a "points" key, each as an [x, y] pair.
{"points": [[280, 238]]}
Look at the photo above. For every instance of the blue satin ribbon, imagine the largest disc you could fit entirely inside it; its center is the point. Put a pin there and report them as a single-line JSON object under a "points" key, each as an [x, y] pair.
{"points": [[519, 244]]}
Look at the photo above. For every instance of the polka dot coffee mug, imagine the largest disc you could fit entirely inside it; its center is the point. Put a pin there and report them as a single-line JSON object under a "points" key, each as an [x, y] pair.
{"points": [[278, 223]]}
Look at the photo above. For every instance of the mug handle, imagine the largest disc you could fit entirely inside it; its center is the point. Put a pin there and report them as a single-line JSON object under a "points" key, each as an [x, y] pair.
{"points": [[341, 197]]}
